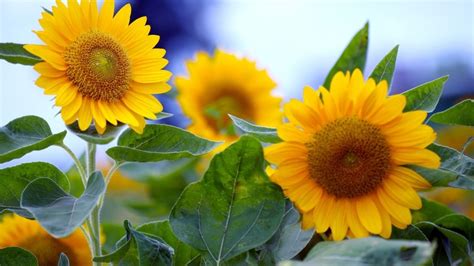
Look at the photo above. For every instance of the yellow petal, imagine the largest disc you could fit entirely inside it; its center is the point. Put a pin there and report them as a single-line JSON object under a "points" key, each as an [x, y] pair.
{"points": [[107, 112], [386, 221], [369, 215], [99, 118], [54, 59], [354, 223], [290, 132], [339, 224], [278, 153], [398, 212], [85, 115], [401, 192], [411, 177], [323, 213], [422, 157]]}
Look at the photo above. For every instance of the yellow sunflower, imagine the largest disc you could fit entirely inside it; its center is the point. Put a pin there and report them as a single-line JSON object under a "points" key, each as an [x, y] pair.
{"points": [[16, 231], [99, 67], [342, 161], [226, 84]]}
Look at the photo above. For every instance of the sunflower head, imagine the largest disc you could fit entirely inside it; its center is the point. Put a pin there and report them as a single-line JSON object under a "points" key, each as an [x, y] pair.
{"points": [[226, 84], [16, 231], [101, 68], [344, 154]]}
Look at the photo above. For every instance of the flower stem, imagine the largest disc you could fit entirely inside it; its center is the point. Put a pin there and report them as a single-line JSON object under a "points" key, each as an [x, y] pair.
{"points": [[94, 219], [77, 162]]}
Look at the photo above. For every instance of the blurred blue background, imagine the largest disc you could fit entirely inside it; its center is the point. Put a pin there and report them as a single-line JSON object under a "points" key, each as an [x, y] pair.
{"points": [[297, 41]]}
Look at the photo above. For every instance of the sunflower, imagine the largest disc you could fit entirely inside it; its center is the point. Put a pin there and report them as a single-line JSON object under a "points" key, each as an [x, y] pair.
{"points": [[100, 68], [342, 161], [16, 231], [226, 84]]}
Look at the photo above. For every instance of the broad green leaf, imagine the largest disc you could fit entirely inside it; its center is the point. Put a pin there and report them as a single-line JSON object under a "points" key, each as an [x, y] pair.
{"points": [[264, 134], [430, 211], [58, 212], [426, 96], [384, 69], [63, 260], [457, 163], [410, 233], [113, 233], [16, 54], [24, 135], [289, 239], [13, 256], [459, 114], [368, 251], [458, 223], [157, 143], [13, 181], [146, 249], [354, 56], [234, 208], [183, 253], [92, 136], [436, 177]]}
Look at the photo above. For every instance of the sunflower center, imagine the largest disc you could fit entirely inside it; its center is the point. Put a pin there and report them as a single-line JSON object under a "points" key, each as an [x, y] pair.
{"points": [[349, 157], [98, 66], [217, 111], [47, 249]]}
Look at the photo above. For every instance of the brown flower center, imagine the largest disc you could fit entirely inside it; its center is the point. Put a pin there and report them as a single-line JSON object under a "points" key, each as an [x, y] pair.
{"points": [[349, 157], [47, 249], [98, 66]]}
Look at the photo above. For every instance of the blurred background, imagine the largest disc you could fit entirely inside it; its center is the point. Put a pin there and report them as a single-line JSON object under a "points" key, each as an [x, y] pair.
{"points": [[297, 41]]}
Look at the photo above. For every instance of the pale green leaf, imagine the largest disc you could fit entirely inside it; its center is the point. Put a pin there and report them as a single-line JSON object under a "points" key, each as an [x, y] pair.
{"points": [[234, 208], [63, 260], [459, 114], [16, 54], [24, 135], [386, 67], [264, 134], [58, 212], [426, 96]]}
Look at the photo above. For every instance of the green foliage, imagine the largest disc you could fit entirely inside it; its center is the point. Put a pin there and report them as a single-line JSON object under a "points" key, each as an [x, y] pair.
{"points": [[426, 96], [139, 248], [264, 134], [13, 256], [92, 136], [24, 135], [386, 67], [368, 251], [58, 212], [13, 181], [289, 239], [16, 54], [183, 253], [157, 143], [63, 260], [234, 208], [354, 56], [459, 114]]}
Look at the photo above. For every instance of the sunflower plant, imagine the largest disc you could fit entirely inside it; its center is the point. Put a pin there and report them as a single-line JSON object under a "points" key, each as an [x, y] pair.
{"points": [[333, 179]]}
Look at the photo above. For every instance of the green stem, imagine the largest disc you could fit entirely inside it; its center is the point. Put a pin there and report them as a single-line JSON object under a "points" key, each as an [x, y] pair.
{"points": [[77, 162]]}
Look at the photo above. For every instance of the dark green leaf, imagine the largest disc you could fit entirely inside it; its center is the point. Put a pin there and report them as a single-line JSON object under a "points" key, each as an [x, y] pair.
{"points": [[430, 211], [354, 56], [426, 96], [24, 135], [264, 134], [58, 212], [368, 251], [289, 239], [113, 233], [157, 143], [410, 233], [92, 136], [149, 249], [385, 68], [459, 114], [234, 208], [13, 181], [16, 54], [458, 223], [13, 256], [63, 260]]}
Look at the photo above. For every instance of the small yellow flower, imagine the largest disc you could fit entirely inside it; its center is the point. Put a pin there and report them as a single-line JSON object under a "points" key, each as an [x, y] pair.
{"points": [[99, 67], [225, 84], [343, 156], [16, 231]]}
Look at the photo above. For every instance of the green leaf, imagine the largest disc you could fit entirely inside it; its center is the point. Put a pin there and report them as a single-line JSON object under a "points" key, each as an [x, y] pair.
{"points": [[13, 256], [430, 211], [24, 135], [157, 143], [458, 223], [385, 68], [92, 136], [234, 208], [58, 212], [459, 114], [426, 96], [149, 249], [13, 181], [63, 260], [16, 54], [436, 177], [183, 253], [410, 233], [354, 56], [368, 251], [455, 162], [289, 239], [264, 134]]}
